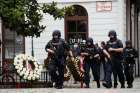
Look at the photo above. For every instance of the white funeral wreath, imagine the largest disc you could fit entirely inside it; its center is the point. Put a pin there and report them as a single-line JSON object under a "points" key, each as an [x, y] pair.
{"points": [[27, 67]]}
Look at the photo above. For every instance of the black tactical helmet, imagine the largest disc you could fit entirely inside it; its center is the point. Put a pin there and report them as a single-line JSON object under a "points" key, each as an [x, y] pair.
{"points": [[112, 32], [89, 40], [128, 42], [56, 32]]}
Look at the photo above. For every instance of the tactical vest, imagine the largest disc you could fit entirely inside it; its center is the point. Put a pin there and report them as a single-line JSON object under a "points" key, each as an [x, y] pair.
{"points": [[115, 44]]}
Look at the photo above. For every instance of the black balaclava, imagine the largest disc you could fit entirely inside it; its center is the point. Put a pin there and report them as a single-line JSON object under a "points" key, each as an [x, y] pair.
{"points": [[103, 44], [89, 42], [56, 35], [128, 44], [112, 35]]}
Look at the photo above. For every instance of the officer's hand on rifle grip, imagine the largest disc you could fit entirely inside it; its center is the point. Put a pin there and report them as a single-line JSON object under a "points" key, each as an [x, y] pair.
{"points": [[108, 56], [110, 49], [84, 54], [96, 56], [50, 51]]}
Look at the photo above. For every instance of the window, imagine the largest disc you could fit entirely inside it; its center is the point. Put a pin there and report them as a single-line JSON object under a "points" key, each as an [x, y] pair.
{"points": [[13, 44], [76, 26]]}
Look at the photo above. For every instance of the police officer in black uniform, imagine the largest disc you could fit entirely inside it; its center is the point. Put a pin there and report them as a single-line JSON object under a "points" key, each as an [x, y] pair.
{"points": [[115, 48], [105, 58], [56, 48], [90, 61], [129, 54]]}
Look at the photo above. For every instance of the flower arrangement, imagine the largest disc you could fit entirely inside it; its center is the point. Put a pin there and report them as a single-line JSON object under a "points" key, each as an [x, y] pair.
{"points": [[27, 67], [75, 68]]}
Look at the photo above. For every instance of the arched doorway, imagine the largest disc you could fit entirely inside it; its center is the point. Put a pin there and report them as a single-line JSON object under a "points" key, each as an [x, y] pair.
{"points": [[76, 25]]}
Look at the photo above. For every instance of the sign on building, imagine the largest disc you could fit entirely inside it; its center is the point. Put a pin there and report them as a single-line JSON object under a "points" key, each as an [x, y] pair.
{"points": [[103, 6]]}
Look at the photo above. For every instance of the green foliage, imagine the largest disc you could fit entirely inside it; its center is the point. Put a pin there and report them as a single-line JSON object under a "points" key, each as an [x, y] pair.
{"points": [[24, 16], [11, 12], [53, 10], [32, 19]]}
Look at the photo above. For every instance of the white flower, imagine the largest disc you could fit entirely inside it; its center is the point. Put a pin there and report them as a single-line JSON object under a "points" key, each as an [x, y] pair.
{"points": [[15, 63], [29, 78], [18, 71], [40, 67], [20, 68], [34, 71], [18, 63], [25, 77], [24, 57], [33, 78], [24, 70], [36, 65], [17, 67], [26, 73], [37, 76], [21, 73], [34, 75], [29, 58]]}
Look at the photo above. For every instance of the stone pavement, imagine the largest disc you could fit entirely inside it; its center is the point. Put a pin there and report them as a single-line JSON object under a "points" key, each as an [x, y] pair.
{"points": [[75, 89]]}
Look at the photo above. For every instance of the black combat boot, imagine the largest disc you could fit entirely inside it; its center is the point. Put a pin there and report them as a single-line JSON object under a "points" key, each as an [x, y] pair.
{"points": [[122, 86], [98, 84], [130, 86], [107, 85], [115, 85]]}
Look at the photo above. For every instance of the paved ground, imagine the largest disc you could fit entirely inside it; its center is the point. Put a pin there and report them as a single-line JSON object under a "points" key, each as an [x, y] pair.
{"points": [[70, 91], [76, 89]]}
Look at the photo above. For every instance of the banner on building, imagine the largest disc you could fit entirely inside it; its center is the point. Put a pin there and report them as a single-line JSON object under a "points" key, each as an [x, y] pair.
{"points": [[103, 6]]}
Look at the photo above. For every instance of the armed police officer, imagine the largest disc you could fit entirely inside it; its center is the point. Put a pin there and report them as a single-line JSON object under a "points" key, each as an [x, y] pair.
{"points": [[129, 54], [115, 48], [90, 61], [56, 49], [107, 65]]}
